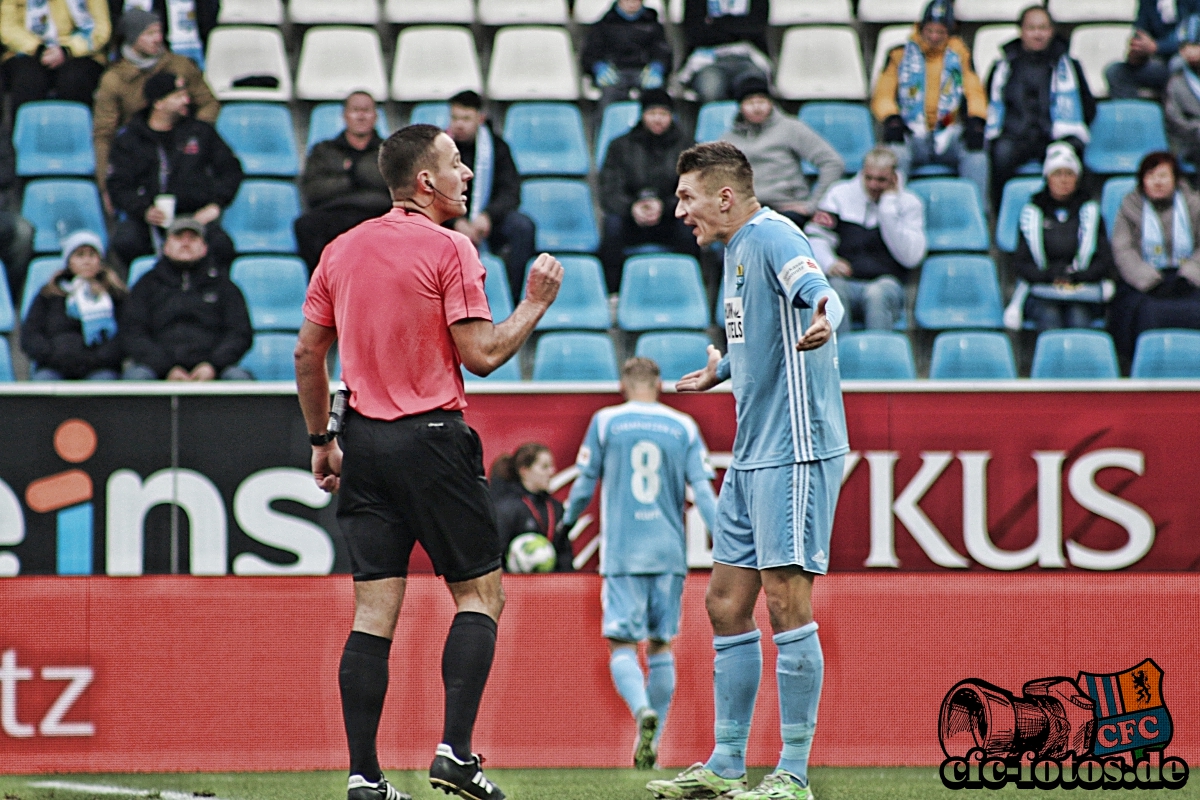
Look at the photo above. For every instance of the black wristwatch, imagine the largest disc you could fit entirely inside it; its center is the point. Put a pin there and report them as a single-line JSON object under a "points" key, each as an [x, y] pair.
{"points": [[318, 439]]}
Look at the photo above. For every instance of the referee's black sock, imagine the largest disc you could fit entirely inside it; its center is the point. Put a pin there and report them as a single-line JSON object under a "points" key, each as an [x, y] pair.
{"points": [[466, 662], [363, 678]]}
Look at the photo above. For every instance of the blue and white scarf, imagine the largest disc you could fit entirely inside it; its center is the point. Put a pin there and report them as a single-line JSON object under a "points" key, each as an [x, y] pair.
{"points": [[1066, 106], [182, 32], [728, 8], [40, 21], [1089, 232], [1154, 251], [1193, 81], [94, 310], [912, 89], [485, 165]]}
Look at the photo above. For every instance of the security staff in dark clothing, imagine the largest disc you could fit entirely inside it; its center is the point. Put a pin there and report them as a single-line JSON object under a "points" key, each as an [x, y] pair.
{"points": [[520, 486]]}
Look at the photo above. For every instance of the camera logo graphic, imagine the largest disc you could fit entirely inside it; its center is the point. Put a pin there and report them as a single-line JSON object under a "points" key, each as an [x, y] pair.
{"points": [[1099, 730]]}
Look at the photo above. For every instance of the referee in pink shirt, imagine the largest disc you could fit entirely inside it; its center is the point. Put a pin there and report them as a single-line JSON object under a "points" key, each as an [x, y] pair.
{"points": [[404, 298]]}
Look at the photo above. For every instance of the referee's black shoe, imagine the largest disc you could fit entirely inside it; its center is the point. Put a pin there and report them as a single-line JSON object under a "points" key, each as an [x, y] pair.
{"points": [[360, 788], [463, 778]]}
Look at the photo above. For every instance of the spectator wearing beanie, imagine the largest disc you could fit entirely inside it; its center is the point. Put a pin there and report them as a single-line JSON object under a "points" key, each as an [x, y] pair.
{"points": [[53, 48], [626, 50], [637, 187], [186, 24]]}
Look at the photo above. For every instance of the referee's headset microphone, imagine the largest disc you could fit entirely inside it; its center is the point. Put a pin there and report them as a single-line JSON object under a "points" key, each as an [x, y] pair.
{"points": [[429, 185]]}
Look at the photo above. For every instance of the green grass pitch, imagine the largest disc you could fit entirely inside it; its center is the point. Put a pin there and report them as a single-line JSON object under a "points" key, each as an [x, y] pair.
{"points": [[519, 784]]}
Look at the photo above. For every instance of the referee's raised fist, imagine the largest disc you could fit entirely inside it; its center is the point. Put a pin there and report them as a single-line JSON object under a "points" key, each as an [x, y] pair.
{"points": [[545, 278]]}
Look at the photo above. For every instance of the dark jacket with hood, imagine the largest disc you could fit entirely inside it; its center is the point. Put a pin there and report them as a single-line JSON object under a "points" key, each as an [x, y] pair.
{"points": [[639, 163], [337, 175], [201, 167], [520, 511], [627, 44], [1060, 240], [506, 181], [53, 338], [185, 314], [1027, 93], [702, 30]]}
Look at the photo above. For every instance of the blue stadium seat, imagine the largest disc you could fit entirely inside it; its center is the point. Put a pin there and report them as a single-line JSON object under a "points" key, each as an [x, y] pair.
{"points": [[714, 119], [1074, 354], [60, 206], [274, 288], [582, 302], [932, 171], [1167, 353], [676, 353], [972, 355], [958, 292], [260, 218], [1122, 132], [270, 357], [430, 114], [575, 357], [875, 356], [618, 119], [847, 126], [1008, 224], [508, 371], [547, 139], [54, 137], [1114, 192], [954, 219], [562, 211], [326, 122], [40, 270], [499, 294], [6, 369], [8, 315], [139, 267], [660, 292], [262, 136]]}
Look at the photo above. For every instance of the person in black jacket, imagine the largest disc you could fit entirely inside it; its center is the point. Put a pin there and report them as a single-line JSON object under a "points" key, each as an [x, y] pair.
{"points": [[342, 184], [637, 187], [520, 486], [495, 191], [164, 152], [627, 49], [727, 42], [185, 320], [71, 329], [190, 36]]}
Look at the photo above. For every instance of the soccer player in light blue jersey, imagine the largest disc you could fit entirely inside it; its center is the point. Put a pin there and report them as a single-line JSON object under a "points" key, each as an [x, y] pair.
{"points": [[646, 455], [776, 506]]}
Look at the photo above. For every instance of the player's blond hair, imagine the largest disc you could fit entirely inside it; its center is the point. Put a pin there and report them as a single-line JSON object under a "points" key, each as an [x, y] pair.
{"points": [[720, 164], [640, 371]]}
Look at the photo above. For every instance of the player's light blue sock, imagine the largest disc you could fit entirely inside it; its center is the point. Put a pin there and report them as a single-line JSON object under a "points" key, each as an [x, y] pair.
{"points": [[737, 670], [660, 687], [627, 677], [800, 669]]}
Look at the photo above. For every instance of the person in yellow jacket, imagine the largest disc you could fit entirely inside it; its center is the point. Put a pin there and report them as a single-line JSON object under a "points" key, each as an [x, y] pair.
{"points": [[53, 48], [931, 103]]}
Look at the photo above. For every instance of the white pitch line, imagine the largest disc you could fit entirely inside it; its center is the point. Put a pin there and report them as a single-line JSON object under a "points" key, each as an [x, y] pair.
{"points": [[98, 788]]}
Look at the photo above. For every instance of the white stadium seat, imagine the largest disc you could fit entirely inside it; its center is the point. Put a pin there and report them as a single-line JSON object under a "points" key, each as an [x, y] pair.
{"points": [[433, 63], [1097, 46], [342, 12], [413, 12], [820, 63], [890, 10], [992, 10], [335, 61], [533, 63], [988, 47], [889, 37], [241, 52], [251, 12], [523, 12], [807, 12], [1093, 10]]}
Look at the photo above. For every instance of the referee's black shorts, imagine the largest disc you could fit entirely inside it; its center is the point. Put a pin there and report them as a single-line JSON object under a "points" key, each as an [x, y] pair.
{"points": [[416, 479]]}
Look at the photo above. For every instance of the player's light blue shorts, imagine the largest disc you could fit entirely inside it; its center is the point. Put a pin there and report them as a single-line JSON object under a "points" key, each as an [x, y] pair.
{"points": [[638, 607], [778, 516]]}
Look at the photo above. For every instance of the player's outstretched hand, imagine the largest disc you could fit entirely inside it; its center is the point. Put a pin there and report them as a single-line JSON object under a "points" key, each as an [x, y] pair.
{"points": [[545, 278], [327, 466], [819, 332], [702, 379]]}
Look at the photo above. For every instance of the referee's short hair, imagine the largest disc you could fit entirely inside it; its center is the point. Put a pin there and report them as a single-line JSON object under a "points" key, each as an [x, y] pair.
{"points": [[640, 370], [405, 153], [719, 164]]}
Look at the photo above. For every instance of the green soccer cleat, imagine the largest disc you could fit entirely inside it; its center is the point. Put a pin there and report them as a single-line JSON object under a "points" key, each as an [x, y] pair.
{"points": [[698, 781], [778, 786], [644, 755]]}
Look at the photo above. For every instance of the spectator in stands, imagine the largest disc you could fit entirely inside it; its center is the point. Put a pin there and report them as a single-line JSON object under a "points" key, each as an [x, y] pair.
{"points": [[162, 151], [16, 234], [930, 101], [492, 214], [120, 94], [1063, 251], [776, 144], [1038, 95], [185, 320], [867, 234], [53, 48], [186, 23], [71, 329], [637, 187], [1154, 43], [342, 185], [626, 50], [1157, 254], [726, 41], [520, 486], [1182, 112]]}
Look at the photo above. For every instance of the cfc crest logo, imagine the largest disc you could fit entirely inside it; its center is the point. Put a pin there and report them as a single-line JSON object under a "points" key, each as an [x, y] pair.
{"points": [[1130, 713]]}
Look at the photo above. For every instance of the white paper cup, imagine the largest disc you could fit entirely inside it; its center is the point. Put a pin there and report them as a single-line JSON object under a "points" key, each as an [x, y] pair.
{"points": [[166, 204]]}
